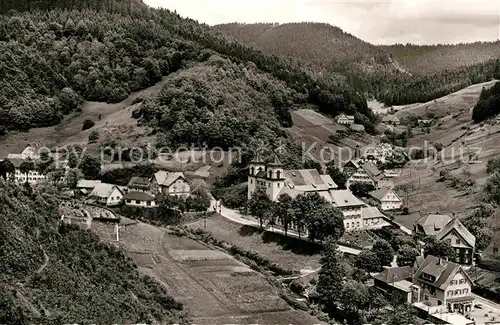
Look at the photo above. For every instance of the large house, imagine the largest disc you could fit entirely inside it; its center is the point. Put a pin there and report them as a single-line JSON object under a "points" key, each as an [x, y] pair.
{"points": [[442, 284], [345, 119], [451, 230], [139, 184], [391, 119], [395, 283], [277, 181], [373, 218], [351, 208], [139, 199], [20, 176], [171, 183], [387, 198], [29, 152], [107, 194], [365, 173]]}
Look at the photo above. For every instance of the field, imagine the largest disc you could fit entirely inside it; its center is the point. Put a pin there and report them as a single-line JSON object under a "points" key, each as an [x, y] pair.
{"points": [[215, 287], [273, 246]]}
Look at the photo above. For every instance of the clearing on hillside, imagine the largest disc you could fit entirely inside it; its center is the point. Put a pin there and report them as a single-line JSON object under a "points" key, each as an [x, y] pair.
{"points": [[275, 247]]}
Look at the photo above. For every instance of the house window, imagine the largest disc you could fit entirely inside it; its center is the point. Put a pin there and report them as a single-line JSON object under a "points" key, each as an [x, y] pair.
{"points": [[462, 281], [426, 297], [278, 184], [137, 202], [449, 293], [347, 225], [148, 203], [129, 201], [251, 181], [457, 241], [466, 291], [452, 282], [440, 302], [457, 292]]}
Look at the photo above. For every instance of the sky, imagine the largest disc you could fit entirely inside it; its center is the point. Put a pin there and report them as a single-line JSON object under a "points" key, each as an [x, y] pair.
{"points": [[377, 22]]}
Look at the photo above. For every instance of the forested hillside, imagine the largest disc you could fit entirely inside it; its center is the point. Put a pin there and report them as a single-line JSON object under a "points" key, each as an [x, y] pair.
{"points": [[429, 59], [488, 105], [395, 75], [52, 273], [52, 59], [321, 44]]}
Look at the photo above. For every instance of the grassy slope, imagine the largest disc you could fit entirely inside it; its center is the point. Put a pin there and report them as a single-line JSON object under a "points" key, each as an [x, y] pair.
{"points": [[51, 274], [460, 136]]}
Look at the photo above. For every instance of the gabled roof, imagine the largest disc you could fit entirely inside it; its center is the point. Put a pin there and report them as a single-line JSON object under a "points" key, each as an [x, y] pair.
{"points": [[257, 159], [344, 198], [167, 178], [441, 269], [276, 162], [433, 223], [395, 274], [308, 180], [104, 190], [86, 183], [139, 196], [351, 162], [381, 192], [370, 212], [371, 169], [16, 161], [456, 225], [139, 182]]}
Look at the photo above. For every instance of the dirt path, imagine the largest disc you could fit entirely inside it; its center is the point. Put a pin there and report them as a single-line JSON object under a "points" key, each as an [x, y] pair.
{"points": [[45, 262]]}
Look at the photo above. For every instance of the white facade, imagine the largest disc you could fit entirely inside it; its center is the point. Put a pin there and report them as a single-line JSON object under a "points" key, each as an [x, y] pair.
{"points": [[171, 183], [140, 203], [32, 177], [345, 119]]}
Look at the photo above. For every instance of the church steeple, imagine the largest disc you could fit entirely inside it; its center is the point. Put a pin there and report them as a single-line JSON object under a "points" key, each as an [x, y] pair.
{"points": [[256, 165], [275, 169]]}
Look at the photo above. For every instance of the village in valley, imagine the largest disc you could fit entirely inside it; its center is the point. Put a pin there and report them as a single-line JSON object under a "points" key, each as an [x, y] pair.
{"points": [[369, 202]]}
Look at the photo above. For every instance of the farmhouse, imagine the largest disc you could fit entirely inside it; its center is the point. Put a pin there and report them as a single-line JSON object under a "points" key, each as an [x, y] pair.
{"points": [[20, 175], [139, 199], [373, 218], [29, 152], [139, 184], [345, 119], [442, 284], [171, 183], [107, 194], [86, 186], [391, 119], [387, 198], [451, 230], [365, 173], [395, 283], [278, 181]]}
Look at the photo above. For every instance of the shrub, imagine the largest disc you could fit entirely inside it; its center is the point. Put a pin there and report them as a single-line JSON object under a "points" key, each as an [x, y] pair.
{"points": [[93, 136], [87, 124]]}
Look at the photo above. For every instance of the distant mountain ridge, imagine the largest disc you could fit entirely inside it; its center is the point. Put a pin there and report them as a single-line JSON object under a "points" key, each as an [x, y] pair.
{"points": [[321, 44], [427, 59]]}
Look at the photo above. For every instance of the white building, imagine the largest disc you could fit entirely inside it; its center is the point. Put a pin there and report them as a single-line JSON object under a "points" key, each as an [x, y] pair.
{"points": [[107, 194], [351, 208], [171, 183], [139, 184], [139, 199], [365, 173], [277, 181], [345, 119], [29, 152], [32, 177], [387, 198]]}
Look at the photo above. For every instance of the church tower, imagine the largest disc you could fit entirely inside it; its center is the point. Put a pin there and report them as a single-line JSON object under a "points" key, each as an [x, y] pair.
{"points": [[276, 178], [255, 167]]}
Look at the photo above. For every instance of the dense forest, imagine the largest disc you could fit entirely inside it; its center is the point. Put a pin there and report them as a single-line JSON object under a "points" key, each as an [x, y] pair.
{"points": [[108, 50], [430, 59], [488, 105], [52, 273], [324, 45]]}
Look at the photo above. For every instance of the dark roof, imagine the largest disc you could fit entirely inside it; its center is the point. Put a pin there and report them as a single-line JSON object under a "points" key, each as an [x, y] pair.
{"points": [[16, 161], [276, 161], [140, 196], [139, 182], [394, 274], [372, 170], [261, 174], [381, 192], [257, 159], [441, 269], [433, 223]]}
